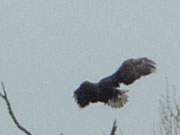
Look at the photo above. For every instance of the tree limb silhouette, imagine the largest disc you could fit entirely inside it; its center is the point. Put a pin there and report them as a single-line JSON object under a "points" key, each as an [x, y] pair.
{"points": [[169, 112], [113, 130], [4, 96]]}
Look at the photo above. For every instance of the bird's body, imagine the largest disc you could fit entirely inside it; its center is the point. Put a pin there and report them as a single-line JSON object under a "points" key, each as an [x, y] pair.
{"points": [[106, 90]]}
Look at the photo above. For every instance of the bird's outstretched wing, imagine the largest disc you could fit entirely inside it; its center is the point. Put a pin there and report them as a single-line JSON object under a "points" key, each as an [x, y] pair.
{"points": [[130, 71]]}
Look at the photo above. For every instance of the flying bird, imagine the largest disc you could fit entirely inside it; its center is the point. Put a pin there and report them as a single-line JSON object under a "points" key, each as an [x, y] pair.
{"points": [[106, 90]]}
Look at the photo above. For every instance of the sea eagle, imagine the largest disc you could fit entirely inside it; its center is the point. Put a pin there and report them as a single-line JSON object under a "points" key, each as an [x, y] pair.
{"points": [[106, 90]]}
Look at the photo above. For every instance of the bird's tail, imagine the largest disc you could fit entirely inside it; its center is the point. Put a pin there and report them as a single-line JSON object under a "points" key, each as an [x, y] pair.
{"points": [[119, 100]]}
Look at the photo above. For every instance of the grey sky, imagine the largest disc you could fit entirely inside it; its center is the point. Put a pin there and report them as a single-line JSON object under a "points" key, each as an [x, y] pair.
{"points": [[47, 48]]}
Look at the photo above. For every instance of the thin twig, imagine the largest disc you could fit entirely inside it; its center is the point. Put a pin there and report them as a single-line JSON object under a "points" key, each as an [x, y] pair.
{"points": [[11, 113], [113, 130]]}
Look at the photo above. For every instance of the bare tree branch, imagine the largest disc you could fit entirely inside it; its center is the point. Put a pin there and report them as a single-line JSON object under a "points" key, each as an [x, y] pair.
{"points": [[113, 130], [3, 95], [169, 113]]}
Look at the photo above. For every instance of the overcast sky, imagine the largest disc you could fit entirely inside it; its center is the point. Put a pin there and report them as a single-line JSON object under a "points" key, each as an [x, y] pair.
{"points": [[47, 48]]}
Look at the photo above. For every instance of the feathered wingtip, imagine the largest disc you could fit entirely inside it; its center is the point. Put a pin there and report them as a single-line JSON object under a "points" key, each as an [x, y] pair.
{"points": [[118, 102], [148, 63]]}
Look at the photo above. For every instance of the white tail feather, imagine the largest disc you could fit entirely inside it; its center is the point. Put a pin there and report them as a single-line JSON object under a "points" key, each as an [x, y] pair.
{"points": [[118, 102]]}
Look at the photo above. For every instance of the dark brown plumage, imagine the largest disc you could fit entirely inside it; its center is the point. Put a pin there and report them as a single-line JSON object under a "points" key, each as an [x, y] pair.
{"points": [[106, 89]]}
